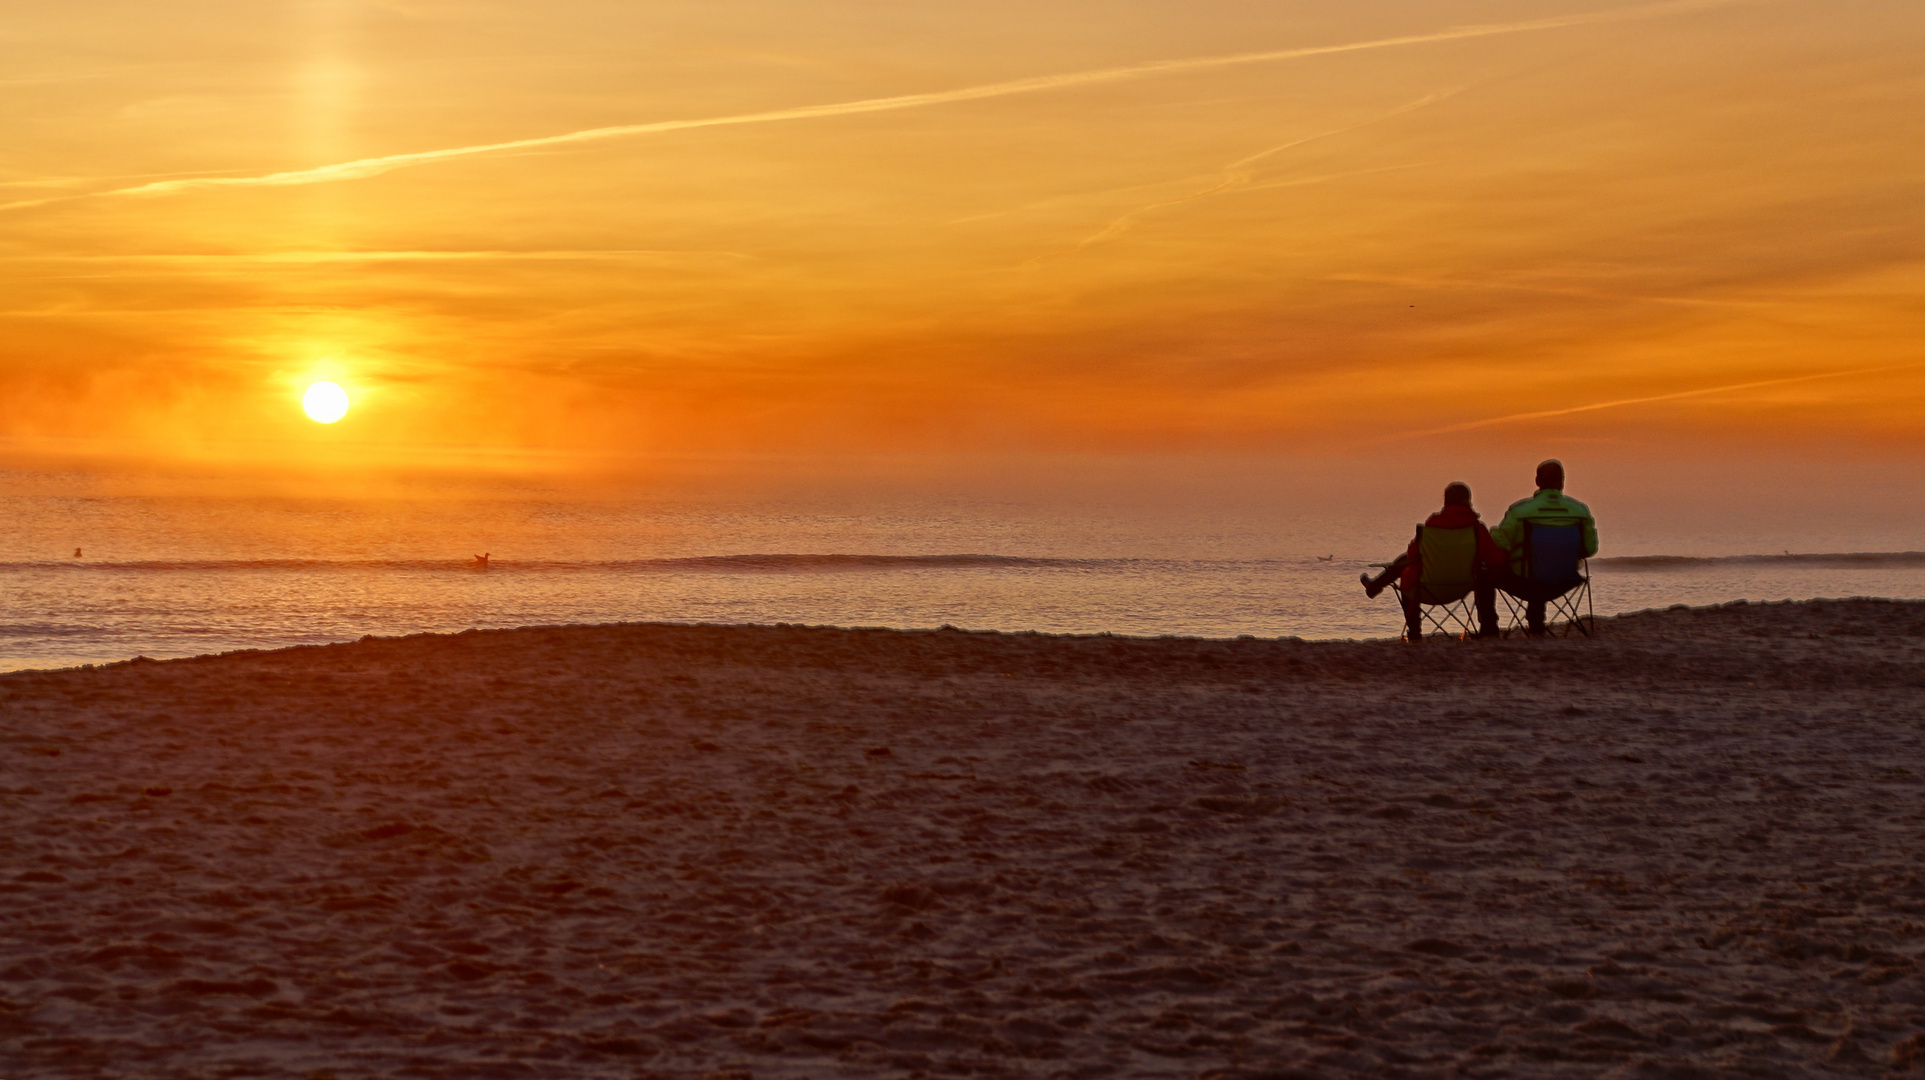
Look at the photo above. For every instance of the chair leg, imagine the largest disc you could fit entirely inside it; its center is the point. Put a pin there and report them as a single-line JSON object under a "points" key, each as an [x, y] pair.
{"points": [[1576, 620], [1564, 615], [1451, 619], [1513, 615]]}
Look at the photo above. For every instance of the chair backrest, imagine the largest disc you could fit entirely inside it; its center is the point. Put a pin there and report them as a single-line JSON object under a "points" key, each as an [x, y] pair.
{"points": [[1552, 552], [1449, 555]]}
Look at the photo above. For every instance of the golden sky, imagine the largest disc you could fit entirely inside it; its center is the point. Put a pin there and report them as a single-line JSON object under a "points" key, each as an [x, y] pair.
{"points": [[567, 234]]}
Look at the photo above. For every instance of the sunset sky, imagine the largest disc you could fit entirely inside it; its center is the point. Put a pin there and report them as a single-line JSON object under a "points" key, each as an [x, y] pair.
{"points": [[581, 236]]}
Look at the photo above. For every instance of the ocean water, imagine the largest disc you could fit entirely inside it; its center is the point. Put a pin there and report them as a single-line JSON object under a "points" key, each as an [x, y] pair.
{"points": [[172, 577]]}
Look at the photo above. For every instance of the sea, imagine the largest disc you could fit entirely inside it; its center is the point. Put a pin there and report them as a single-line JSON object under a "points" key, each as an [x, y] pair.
{"points": [[99, 578]]}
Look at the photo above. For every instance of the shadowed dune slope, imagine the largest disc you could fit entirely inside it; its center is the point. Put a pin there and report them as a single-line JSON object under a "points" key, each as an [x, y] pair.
{"points": [[1689, 847]]}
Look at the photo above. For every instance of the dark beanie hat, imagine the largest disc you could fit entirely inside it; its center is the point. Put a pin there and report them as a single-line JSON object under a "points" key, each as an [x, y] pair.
{"points": [[1457, 493], [1550, 474]]}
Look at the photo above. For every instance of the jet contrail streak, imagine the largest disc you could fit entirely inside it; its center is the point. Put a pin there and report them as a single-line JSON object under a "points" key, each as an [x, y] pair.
{"points": [[1232, 178], [374, 166], [1546, 414], [307, 257]]}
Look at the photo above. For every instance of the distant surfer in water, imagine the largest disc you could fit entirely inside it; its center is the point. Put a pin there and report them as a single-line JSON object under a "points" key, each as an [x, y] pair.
{"points": [[481, 562]]}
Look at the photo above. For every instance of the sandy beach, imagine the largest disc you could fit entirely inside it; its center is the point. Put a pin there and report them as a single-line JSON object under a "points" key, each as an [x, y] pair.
{"points": [[1689, 847]]}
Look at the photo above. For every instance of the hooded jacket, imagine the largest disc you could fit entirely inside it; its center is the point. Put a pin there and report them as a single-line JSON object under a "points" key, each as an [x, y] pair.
{"points": [[1548, 506], [1452, 516]]}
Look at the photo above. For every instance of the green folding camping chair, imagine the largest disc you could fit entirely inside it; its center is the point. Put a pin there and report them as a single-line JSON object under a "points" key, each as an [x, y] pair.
{"points": [[1446, 581]]}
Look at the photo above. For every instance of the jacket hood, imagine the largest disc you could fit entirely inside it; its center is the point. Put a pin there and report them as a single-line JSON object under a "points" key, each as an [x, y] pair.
{"points": [[1453, 517]]}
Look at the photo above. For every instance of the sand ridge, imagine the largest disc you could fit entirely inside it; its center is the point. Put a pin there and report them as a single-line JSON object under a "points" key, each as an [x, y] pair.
{"points": [[1687, 848]]}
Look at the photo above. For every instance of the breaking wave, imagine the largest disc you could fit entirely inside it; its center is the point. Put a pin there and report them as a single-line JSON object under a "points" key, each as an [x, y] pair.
{"points": [[1855, 560]]}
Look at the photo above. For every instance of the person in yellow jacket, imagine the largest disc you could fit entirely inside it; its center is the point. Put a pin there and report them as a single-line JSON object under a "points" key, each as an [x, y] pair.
{"points": [[1548, 506]]}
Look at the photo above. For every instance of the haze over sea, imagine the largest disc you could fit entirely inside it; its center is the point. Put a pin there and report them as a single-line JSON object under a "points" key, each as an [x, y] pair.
{"points": [[176, 575], [637, 297]]}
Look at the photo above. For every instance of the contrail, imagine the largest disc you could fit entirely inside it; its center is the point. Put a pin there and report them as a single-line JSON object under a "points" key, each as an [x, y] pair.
{"points": [[374, 166], [307, 257], [1546, 414], [1234, 176], [1548, 290]]}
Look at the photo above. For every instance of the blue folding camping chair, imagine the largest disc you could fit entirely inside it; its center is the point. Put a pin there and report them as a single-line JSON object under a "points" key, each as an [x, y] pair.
{"points": [[1557, 575]]}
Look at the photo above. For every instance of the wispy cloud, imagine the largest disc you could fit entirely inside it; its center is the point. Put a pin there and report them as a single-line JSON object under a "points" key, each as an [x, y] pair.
{"points": [[374, 166], [1576, 292], [1237, 174], [70, 181], [1598, 406], [312, 257]]}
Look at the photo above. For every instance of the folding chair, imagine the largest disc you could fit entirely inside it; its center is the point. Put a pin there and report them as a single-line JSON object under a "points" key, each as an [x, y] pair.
{"points": [[1445, 582], [1557, 575]]}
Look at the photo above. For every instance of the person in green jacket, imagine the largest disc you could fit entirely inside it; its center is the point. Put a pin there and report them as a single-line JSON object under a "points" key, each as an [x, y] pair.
{"points": [[1548, 506]]}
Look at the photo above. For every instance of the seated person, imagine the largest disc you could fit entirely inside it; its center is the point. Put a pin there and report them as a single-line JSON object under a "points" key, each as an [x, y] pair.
{"points": [[1549, 506], [1407, 569]]}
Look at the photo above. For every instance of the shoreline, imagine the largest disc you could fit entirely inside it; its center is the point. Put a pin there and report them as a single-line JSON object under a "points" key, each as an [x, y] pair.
{"points": [[1603, 620], [685, 850]]}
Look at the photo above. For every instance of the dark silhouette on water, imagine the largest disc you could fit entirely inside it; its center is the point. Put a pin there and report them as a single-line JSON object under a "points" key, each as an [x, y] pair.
{"points": [[481, 562]]}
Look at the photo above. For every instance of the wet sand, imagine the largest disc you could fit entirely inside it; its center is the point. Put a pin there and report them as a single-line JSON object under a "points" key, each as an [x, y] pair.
{"points": [[1690, 847]]}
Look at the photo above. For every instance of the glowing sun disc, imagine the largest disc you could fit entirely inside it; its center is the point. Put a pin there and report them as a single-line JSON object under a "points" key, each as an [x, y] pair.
{"points": [[325, 402]]}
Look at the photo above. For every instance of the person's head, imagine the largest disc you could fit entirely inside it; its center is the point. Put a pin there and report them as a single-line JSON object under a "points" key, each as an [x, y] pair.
{"points": [[1457, 493], [1550, 474]]}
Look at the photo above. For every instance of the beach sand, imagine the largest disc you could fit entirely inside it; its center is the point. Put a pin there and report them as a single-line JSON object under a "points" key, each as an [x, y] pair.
{"points": [[1689, 847]]}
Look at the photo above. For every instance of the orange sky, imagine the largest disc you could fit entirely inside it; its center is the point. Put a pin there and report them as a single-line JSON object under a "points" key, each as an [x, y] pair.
{"points": [[848, 226]]}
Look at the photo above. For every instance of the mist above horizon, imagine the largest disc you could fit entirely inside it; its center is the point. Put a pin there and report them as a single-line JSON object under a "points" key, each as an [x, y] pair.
{"points": [[576, 238]]}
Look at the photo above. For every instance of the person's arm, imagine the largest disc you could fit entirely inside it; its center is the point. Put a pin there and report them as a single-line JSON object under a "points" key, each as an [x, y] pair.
{"points": [[1589, 528], [1487, 548], [1509, 532]]}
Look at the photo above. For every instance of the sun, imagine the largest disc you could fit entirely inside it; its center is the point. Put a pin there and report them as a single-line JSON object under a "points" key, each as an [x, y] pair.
{"points": [[325, 402]]}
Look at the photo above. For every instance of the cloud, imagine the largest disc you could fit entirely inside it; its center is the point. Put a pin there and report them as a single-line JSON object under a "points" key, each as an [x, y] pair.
{"points": [[1237, 174], [1546, 414], [374, 166], [351, 256]]}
